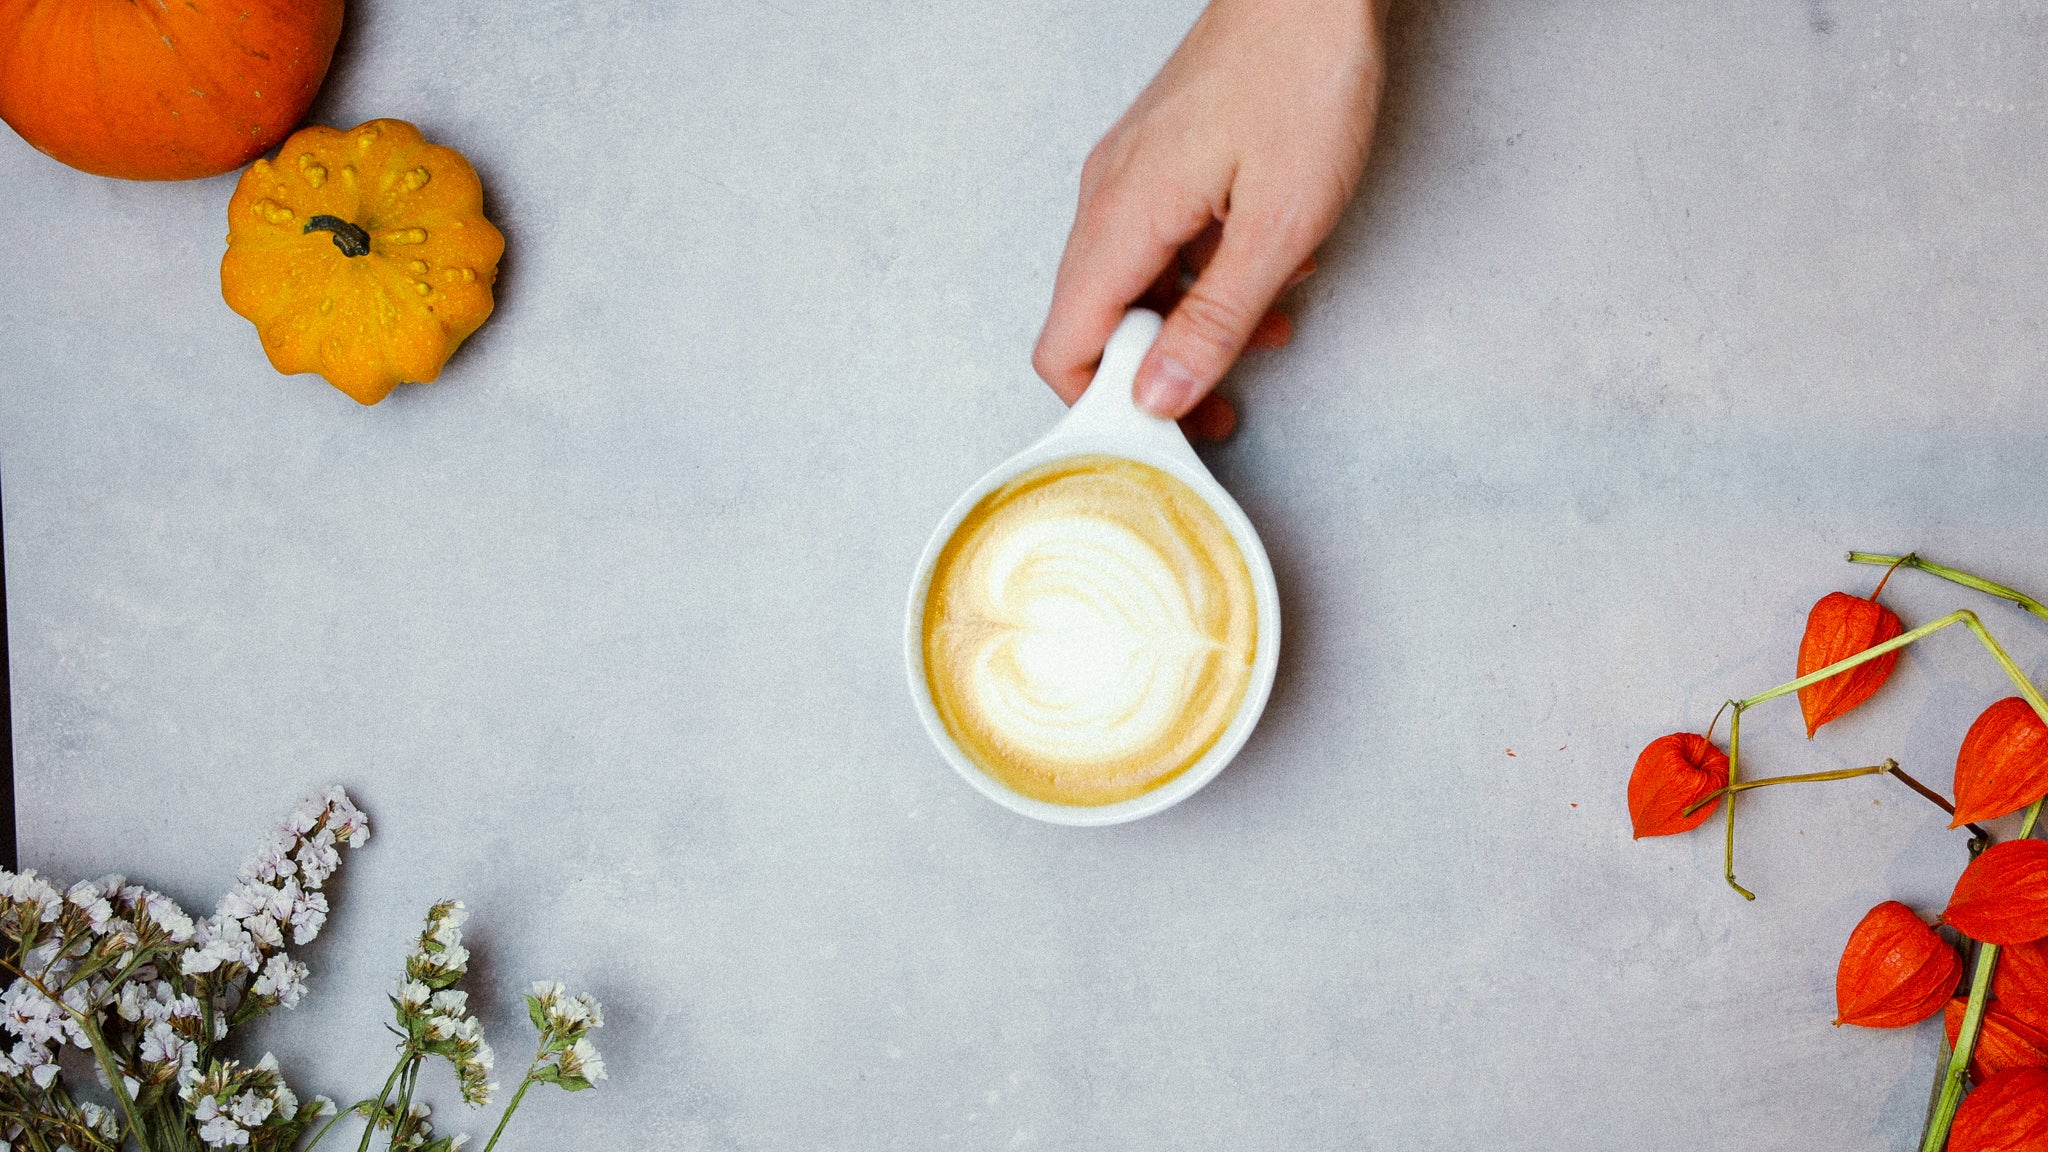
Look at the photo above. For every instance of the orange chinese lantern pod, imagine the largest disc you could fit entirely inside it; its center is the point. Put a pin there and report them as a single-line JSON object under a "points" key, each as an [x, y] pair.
{"points": [[2002, 897], [1895, 970], [1671, 775], [2003, 1040], [1839, 627], [2021, 982], [2003, 765], [2006, 1113]]}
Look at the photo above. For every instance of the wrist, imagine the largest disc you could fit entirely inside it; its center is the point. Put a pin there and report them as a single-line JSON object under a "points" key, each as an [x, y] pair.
{"points": [[1304, 25]]}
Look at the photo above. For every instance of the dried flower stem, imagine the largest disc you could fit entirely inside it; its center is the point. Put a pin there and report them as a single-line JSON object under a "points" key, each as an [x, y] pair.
{"points": [[1888, 768], [1734, 777], [1912, 560], [512, 1105], [406, 1059], [1879, 591], [105, 1058], [1803, 778], [1983, 838], [345, 1113]]}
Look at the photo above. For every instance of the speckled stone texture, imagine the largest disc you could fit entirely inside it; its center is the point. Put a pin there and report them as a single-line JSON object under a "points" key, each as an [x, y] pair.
{"points": [[1645, 314]]}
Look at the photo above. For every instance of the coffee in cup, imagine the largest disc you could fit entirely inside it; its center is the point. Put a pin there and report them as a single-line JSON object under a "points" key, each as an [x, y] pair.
{"points": [[1089, 630]]}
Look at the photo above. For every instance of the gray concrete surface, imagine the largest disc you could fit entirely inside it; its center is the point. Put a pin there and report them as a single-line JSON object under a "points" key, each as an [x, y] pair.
{"points": [[1645, 314]]}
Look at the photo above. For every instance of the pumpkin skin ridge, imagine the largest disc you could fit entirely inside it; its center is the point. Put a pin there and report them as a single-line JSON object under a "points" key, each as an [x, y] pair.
{"points": [[276, 274], [425, 366], [462, 211], [198, 73], [293, 336]]}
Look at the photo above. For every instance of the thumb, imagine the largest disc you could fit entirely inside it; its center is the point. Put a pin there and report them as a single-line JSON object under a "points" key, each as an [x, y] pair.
{"points": [[1209, 328]]}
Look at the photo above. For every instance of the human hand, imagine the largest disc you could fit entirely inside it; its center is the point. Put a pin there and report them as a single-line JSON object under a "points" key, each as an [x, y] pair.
{"points": [[1231, 166]]}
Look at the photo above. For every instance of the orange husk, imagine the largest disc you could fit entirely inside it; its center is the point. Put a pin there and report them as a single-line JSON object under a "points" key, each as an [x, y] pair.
{"points": [[1894, 971], [2003, 764], [2002, 897], [2021, 982], [1671, 775], [2007, 1113], [1839, 627], [2003, 1039]]}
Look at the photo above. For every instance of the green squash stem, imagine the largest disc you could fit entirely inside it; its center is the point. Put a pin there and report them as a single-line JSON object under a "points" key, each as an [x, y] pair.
{"points": [[352, 241]]}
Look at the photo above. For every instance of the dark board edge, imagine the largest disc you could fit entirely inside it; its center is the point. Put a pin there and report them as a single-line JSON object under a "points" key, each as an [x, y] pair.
{"points": [[8, 848]]}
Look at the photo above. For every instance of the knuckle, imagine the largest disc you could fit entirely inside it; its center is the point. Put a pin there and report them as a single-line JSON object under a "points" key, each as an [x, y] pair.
{"points": [[1177, 213], [1093, 169], [1102, 207], [1042, 362], [1218, 321], [1110, 156], [1283, 227], [1294, 221]]}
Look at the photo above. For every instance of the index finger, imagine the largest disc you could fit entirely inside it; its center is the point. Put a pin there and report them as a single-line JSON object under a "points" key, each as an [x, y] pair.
{"points": [[1122, 240]]}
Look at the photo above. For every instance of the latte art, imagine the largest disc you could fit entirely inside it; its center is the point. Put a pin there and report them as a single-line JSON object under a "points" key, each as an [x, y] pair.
{"points": [[1089, 631]]}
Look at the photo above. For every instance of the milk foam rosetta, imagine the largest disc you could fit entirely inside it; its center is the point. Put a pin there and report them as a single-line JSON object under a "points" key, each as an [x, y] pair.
{"points": [[1089, 630]]}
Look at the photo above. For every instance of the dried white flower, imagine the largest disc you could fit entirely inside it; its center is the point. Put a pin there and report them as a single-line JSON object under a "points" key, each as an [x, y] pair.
{"points": [[250, 1109], [101, 1120], [582, 1062], [446, 928], [221, 940], [564, 1022], [90, 898], [129, 1000], [317, 858], [33, 1017], [220, 1131], [162, 1045], [165, 914], [273, 859], [283, 979], [439, 959], [346, 819], [568, 1014], [38, 900], [308, 916], [278, 890]]}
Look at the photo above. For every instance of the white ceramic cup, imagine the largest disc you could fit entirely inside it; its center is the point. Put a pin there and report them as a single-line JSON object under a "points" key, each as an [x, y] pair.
{"points": [[1107, 421]]}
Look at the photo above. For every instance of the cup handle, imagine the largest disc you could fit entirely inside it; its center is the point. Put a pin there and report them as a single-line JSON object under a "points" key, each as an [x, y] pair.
{"points": [[1108, 408]]}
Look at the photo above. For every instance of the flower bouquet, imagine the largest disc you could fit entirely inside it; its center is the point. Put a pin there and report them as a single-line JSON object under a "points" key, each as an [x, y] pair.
{"points": [[152, 1001]]}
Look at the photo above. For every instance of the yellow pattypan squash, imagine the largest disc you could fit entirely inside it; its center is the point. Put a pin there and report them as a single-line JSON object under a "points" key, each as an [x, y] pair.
{"points": [[361, 255]]}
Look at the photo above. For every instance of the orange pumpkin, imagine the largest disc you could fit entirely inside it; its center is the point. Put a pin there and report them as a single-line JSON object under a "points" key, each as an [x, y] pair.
{"points": [[361, 255], [161, 89]]}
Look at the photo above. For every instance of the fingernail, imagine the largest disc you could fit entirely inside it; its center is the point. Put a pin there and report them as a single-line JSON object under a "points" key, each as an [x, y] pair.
{"points": [[1169, 388], [1301, 274]]}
